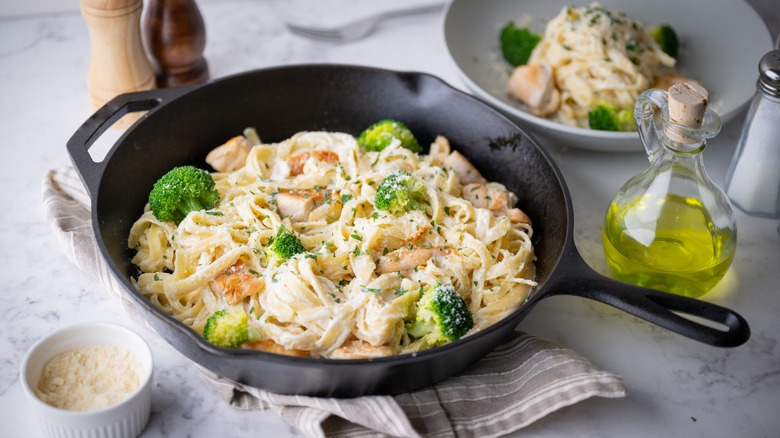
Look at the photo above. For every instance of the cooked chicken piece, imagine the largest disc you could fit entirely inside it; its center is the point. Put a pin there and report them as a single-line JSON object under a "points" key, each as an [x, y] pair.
{"points": [[299, 203], [494, 197], [361, 350], [497, 199], [298, 161], [517, 216], [403, 259], [297, 207], [466, 171], [419, 233], [231, 155], [535, 86], [272, 347], [237, 283]]}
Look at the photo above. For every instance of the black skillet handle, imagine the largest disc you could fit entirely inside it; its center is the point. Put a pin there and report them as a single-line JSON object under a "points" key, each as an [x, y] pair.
{"points": [[654, 306], [84, 137]]}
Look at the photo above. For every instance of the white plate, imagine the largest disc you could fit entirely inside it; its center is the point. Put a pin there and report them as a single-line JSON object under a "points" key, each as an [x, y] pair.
{"points": [[721, 44]]}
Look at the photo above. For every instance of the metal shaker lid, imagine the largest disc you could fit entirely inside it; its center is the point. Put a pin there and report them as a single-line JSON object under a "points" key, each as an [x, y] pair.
{"points": [[769, 73]]}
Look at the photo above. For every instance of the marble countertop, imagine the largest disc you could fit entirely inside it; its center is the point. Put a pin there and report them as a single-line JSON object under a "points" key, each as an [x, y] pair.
{"points": [[676, 386]]}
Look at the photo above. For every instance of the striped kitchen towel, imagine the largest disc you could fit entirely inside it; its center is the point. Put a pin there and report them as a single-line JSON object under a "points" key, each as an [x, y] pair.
{"points": [[518, 383]]}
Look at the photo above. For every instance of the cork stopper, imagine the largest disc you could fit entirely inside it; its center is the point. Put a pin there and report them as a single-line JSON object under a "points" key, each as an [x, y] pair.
{"points": [[687, 106]]}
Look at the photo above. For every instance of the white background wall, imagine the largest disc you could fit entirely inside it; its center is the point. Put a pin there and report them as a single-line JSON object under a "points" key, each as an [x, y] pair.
{"points": [[20, 8], [14, 8]]}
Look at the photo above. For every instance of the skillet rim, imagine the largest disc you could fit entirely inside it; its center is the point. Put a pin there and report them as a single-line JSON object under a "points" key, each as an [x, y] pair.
{"points": [[536, 294]]}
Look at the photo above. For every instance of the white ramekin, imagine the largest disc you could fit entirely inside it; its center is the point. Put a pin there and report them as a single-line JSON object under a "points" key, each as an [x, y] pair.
{"points": [[127, 419]]}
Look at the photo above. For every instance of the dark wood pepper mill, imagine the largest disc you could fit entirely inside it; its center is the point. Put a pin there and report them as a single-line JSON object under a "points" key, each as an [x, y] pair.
{"points": [[175, 36]]}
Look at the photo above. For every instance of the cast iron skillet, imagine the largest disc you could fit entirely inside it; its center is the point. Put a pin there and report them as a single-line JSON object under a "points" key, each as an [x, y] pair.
{"points": [[183, 124]]}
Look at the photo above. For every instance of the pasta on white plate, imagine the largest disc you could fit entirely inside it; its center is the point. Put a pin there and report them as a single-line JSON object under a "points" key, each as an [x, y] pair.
{"points": [[588, 56], [353, 292]]}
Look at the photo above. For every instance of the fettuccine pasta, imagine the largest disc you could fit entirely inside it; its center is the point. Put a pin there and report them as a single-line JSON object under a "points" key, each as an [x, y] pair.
{"points": [[349, 295], [596, 55]]}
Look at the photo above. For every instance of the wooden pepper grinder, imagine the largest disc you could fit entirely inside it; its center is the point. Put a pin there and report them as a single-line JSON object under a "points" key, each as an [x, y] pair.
{"points": [[118, 63], [175, 36]]}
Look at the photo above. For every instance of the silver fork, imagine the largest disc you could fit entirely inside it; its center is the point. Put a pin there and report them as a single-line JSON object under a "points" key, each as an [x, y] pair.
{"points": [[357, 28]]}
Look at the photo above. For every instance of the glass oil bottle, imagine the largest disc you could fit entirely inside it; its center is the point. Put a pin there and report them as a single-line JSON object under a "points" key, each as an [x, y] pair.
{"points": [[670, 227]]}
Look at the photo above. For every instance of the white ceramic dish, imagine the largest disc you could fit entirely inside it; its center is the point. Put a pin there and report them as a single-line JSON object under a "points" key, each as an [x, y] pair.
{"points": [[126, 419], [721, 44]]}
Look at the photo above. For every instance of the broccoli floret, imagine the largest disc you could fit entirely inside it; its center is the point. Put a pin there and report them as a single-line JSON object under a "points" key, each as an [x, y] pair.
{"points": [[229, 328], [400, 192], [606, 117], [379, 135], [182, 190], [442, 316], [517, 43], [283, 246], [666, 37]]}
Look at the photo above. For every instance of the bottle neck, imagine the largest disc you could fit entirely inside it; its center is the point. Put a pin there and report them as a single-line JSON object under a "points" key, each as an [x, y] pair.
{"points": [[683, 148], [682, 162]]}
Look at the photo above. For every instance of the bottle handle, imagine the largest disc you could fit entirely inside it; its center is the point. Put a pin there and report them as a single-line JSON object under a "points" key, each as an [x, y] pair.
{"points": [[685, 138], [645, 122]]}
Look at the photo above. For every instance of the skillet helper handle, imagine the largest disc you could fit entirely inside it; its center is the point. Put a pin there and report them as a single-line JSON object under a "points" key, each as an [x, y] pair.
{"points": [[85, 136], [660, 308]]}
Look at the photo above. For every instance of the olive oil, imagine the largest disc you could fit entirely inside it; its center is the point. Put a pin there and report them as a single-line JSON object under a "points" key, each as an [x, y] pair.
{"points": [[670, 227], [667, 242]]}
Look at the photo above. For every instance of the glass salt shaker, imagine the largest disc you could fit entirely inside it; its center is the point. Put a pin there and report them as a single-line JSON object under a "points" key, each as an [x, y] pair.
{"points": [[753, 178]]}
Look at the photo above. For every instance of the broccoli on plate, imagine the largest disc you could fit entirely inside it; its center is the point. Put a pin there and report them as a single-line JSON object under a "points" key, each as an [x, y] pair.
{"points": [[284, 246], [182, 190], [666, 37], [442, 316], [606, 117], [229, 328], [379, 135], [400, 192], [517, 43]]}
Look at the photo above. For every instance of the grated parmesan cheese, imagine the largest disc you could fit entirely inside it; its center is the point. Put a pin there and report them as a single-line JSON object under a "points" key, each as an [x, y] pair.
{"points": [[89, 378]]}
